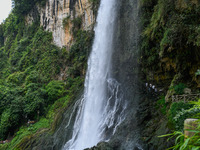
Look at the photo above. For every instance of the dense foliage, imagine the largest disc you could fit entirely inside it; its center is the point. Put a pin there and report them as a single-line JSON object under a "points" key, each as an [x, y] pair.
{"points": [[170, 54], [183, 141], [170, 41], [30, 68], [175, 121], [22, 7]]}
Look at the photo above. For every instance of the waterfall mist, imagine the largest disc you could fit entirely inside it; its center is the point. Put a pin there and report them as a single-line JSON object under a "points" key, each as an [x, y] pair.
{"points": [[101, 109]]}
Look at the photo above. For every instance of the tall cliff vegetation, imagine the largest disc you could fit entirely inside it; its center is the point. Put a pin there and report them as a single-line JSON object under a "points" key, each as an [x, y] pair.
{"points": [[170, 42], [37, 78], [170, 54]]}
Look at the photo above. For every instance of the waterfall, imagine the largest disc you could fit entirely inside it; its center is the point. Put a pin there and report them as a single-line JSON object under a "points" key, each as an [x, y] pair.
{"points": [[102, 107]]}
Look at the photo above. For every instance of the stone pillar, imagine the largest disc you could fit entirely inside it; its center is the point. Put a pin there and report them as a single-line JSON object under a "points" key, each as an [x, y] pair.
{"points": [[190, 124]]}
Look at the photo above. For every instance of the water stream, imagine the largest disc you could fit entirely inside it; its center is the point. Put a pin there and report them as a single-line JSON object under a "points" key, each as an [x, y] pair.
{"points": [[102, 107]]}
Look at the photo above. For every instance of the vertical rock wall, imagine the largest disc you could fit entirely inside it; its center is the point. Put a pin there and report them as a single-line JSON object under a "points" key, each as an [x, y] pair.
{"points": [[52, 15]]}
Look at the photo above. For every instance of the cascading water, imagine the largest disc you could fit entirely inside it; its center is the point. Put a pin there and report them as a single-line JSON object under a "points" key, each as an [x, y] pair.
{"points": [[108, 109], [101, 109]]}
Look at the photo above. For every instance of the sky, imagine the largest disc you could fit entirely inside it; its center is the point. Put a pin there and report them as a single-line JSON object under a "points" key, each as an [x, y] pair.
{"points": [[5, 8]]}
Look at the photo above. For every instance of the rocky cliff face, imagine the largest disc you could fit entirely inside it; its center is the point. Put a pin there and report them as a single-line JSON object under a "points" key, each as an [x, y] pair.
{"points": [[55, 11], [168, 52]]}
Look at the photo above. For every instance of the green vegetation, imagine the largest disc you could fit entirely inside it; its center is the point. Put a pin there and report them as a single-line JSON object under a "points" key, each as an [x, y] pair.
{"points": [[175, 121], [179, 89], [30, 68], [48, 122], [160, 104], [22, 7], [95, 5], [170, 54], [183, 142], [26, 131], [55, 89], [77, 22], [170, 37], [66, 21]]}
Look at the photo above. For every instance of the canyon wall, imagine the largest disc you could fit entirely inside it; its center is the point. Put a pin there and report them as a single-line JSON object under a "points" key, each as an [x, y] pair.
{"points": [[56, 12]]}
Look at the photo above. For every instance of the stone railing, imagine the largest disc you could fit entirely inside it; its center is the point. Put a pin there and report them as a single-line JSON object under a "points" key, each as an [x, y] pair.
{"points": [[185, 97]]}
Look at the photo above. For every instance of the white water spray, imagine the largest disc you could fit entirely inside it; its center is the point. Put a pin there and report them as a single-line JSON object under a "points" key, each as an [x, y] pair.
{"points": [[102, 107]]}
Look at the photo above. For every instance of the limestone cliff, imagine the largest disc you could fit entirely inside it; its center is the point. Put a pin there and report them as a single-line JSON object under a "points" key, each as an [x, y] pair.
{"points": [[55, 11]]}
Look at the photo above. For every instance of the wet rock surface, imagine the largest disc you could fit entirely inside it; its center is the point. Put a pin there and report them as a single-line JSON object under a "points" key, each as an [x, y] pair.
{"points": [[101, 146], [152, 123]]}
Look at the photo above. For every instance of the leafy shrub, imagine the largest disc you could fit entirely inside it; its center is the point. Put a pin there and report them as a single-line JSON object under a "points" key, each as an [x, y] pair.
{"points": [[162, 105], [16, 78], [183, 142], [66, 21], [34, 100], [174, 110], [77, 22], [33, 77], [179, 89], [55, 89], [9, 120], [184, 114]]}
